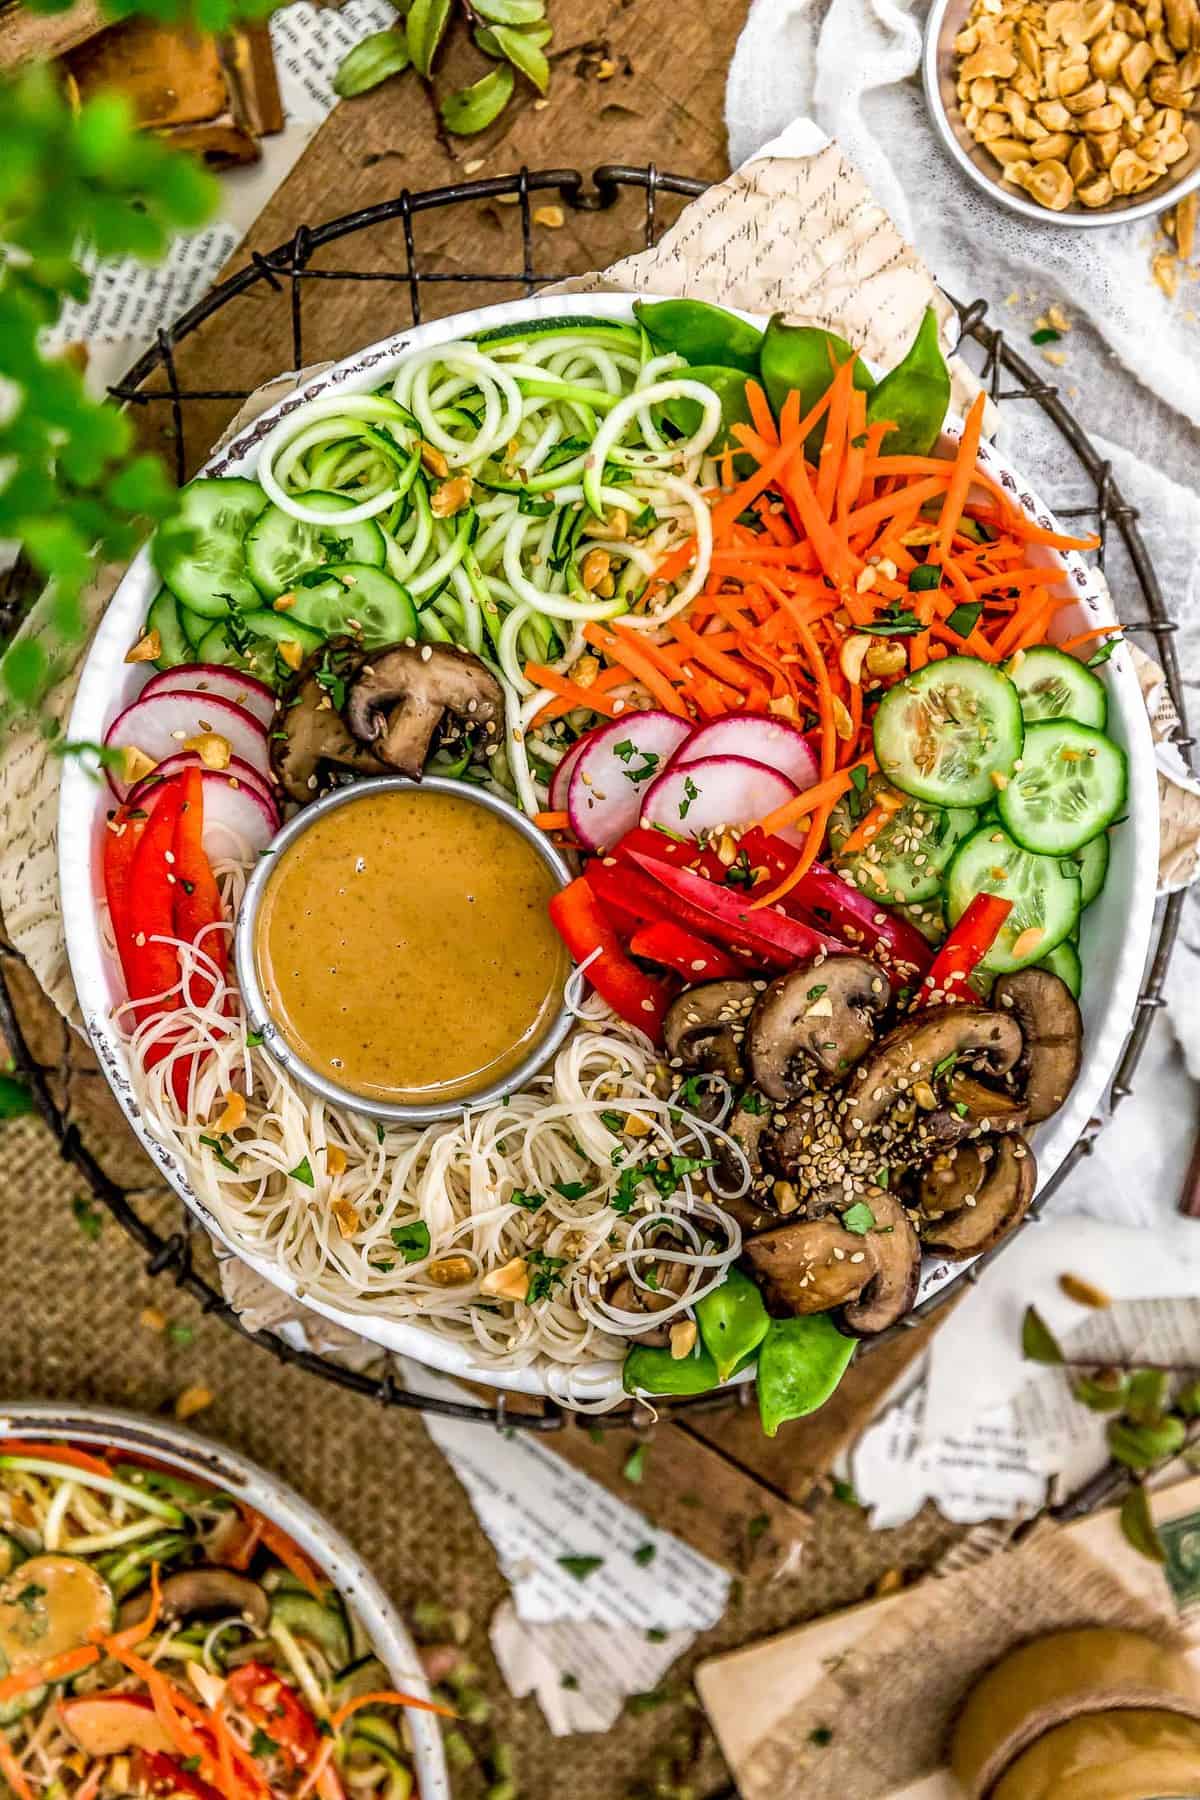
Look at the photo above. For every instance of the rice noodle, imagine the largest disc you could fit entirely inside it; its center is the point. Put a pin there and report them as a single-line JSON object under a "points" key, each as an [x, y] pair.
{"points": [[457, 1178]]}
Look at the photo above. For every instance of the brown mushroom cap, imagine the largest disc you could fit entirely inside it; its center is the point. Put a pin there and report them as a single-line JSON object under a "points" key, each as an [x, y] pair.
{"points": [[1044, 1008], [203, 1593], [309, 733], [915, 1048], [943, 1182], [822, 1013], [746, 1128], [1000, 1203], [629, 1297], [893, 1288], [811, 1266], [401, 696], [986, 1106], [705, 1027]]}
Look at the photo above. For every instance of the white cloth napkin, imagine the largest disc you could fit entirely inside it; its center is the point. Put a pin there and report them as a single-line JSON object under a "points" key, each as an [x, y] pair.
{"points": [[1131, 375]]}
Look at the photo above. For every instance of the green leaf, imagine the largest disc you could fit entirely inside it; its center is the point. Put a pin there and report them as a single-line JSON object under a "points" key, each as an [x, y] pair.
{"points": [[924, 576], [1141, 1446], [803, 358], [510, 12], [914, 395], [1046, 334], [424, 28], [858, 1218], [645, 1554], [1104, 652], [383, 54], [580, 1566], [685, 414], [1038, 1342], [474, 108], [524, 54], [303, 1172], [634, 1466], [1138, 1525], [963, 619], [412, 1241], [15, 1098]]}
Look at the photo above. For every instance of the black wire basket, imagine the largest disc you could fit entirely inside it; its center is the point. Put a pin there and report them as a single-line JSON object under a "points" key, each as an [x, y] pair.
{"points": [[639, 192]]}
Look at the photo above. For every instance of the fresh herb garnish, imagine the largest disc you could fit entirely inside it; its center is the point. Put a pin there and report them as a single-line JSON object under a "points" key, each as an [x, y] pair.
{"points": [[261, 1745], [924, 577], [739, 873], [302, 1172], [858, 1218], [181, 1335], [569, 1681], [752, 1103], [530, 1202], [253, 1039], [614, 1120], [412, 1241], [963, 620], [691, 792], [1104, 652], [1045, 334], [858, 776], [570, 1190], [580, 1566], [634, 1466], [379, 1133], [627, 1186], [814, 993], [645, 522], [226, 1162], [894, 621], [645, 1554], [546, 1275], [534, 507], [667, 1180], [691, 1092], [656, 1635]]}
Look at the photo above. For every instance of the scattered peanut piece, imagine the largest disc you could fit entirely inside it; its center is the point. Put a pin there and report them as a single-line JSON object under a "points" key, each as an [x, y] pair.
{"points": [[135, 764], [509, 1283], [152, 1318], [147, 649], [552, 217], [683, 1339], [232, 1115], [213, 750], [193, 1400], [1084, 1293]]}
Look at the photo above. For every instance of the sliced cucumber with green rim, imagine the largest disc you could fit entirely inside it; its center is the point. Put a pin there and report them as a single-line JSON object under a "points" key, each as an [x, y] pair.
{"points": [[1093, 867], [906, 858], [194, 625], [163, 617], [928, 917], [199, 550], [353, 598], [306, 1617], [944, 731], [1069, 786], [254, 642], [1055, 685], [1044, 891], [1064, 962], [611, 334], [279, 548]]}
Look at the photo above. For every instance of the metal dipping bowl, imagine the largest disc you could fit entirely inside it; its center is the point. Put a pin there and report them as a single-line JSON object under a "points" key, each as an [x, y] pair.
{"points": [[258, 1016], [946, 19]]}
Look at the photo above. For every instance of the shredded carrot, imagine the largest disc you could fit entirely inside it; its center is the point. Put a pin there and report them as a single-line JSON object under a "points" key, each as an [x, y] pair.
{"points": [[294, 1560], [621, 647], [242, 1554], [962, 477], [552, 821], [1088, 637], [833, 443], [55, 1668], [133, 1635], [57, 1453], [12, 1771], [570, 690], [386, 1697], [870, 825], [761, 414], [808, 856], [820, 794]]}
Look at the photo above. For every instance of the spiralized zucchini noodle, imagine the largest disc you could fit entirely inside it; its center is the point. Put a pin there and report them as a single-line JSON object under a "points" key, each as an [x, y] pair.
{"points": [[556, 435], [589, 1173], [158, 1636]]}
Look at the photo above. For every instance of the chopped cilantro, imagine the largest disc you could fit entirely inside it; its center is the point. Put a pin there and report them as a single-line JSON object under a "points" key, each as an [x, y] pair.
{"points": [[627, 1186], [739, 873], [844, 1492], [963, 620], [961, 1108], [531, 1202], [820, 1735], [947, 1063], [644, 1555], [546, 1275], [614, 1120], [580, 1566], [656, 1635], [814, 993], [569, 1681], [858, 776], [858, 1218], [214, 1144], [752, 1103], [89, 1218], [412, 1241], [625, 751], [667, 1180], [894, 621], [634, 1466], [253, 1039], [690, 792], [379, 1133], [1104, 652], [690, 1093], [1045, 334], [303, 1172], [261, 1745], [182, 1335], [570, 1190]]}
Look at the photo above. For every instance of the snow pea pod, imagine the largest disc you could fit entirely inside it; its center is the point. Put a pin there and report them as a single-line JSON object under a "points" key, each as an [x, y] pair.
{"points": [[804, 357], [800, 1362], [729, 385], [733, 1321], [914, 395], [649, 1370], [701, 333]]}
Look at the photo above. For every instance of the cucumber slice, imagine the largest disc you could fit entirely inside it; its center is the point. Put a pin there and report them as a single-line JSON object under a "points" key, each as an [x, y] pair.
{"points": [[364, 1676], [941, 733], [163, 617], [1069, 786], [906, 858], [354, 598], [611, 334], [1093, 867], [195, 626], [1064, 962], [254, 643], [1044, 891], [199, 551], [928, 917], [1054, 685], [279, 549], [305, 1617]]}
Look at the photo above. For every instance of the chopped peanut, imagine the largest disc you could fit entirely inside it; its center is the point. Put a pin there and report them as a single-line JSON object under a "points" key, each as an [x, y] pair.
{"points": [[213, 750], [552, 217], [291, 652], [147, 649], [509, 1283], [135, 764], [433, 461], [1084, 1293], [152, 1318], [451, 1271], [193, 1400], [683, 1339], [450, 497], [346, 1214], [335, 1159], [233, 1113]]}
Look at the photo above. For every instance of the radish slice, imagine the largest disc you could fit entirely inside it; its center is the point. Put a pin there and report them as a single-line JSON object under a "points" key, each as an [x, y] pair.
{"points": [[561, 778], [719, 793], [160, 724], [214, 678], [236, 819], [239, 773], [609, 781], [759, 738]]}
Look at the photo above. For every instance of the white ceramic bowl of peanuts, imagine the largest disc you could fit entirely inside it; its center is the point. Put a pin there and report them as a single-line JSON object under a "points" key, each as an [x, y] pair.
{"points": [[1083, 112]]}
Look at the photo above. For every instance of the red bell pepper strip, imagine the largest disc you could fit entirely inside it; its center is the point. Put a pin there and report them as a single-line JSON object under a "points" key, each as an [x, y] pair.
{"points": [[277, 1709], [963, 951], [627, 896], [672, 947], [197, 900], [122, 837], [682, 853], [637, 998], [728, 919], [624, 887], [855, 916], [153, 967], [156, 1773]]}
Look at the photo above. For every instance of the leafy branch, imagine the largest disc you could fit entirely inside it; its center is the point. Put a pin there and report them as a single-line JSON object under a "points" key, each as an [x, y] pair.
{"points": [[514, 33], [73, 489]]}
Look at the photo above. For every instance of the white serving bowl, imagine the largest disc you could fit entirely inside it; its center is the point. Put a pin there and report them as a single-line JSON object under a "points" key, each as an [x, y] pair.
{"points": [[202, 1460], [1116, 928]]}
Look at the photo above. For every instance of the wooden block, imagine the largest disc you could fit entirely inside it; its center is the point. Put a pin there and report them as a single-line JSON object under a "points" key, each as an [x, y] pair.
{"points": [[28, 36]]}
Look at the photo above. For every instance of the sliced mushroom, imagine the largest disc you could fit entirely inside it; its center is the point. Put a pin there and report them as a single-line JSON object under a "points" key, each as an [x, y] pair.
{"points": [[989, 1213], [745, 1125], [626, 1294], [952, 1173], [979, 1104], [823, 1013], [892, 1290], [401, 697], [705, 1028], [309, 735], [812, 1265], [913, 1052], [806, 1145], [1052, 1030], [202, 1593]]}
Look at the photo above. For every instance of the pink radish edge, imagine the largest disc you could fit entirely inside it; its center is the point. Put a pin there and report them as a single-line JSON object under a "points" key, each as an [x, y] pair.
{"points": [[717, 793], [238, 772], [246, 691], [556, 798], [158, 724], [236, 819], [605, 791], [759, 738]]}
